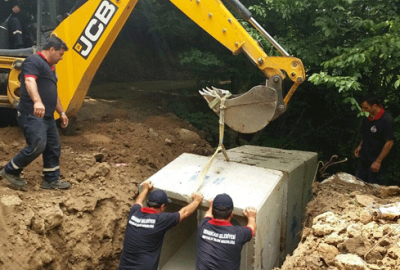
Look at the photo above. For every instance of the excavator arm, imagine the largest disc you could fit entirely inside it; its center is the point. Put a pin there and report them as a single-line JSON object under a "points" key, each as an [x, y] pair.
{"points": [[90, 30], [253, 110], [217, 20]]}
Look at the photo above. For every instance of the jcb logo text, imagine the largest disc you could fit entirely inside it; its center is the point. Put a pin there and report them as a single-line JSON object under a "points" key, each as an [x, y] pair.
{"points": [[95, 28]]}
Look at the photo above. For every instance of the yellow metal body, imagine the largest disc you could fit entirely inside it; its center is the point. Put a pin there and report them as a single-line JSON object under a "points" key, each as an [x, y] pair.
{"points": [[216, 19], [97, 23], [90, 31], [14, 65]]}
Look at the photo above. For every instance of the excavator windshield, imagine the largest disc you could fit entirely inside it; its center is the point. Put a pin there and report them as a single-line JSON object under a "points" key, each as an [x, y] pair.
{"points": [[36, 20], [49, 14]]}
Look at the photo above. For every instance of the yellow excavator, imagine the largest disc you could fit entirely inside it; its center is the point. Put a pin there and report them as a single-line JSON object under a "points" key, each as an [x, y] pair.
{"points": [[91, 27]]}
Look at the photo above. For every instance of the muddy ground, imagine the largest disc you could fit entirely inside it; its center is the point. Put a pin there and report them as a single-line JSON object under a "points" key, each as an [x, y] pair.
{"points": [[119, 144], [122, 141]]}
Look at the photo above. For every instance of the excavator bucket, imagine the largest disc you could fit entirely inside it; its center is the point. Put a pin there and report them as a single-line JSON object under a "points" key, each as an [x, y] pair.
{"points": [[251, 111]]}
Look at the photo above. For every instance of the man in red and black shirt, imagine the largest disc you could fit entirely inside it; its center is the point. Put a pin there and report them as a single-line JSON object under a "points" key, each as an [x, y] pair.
{"points": [[219, 243], [377, 141], [147, 226], [38, 101]]}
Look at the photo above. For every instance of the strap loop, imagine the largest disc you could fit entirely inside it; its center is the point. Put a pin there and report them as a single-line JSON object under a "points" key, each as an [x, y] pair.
{"points": [[219, 96]]}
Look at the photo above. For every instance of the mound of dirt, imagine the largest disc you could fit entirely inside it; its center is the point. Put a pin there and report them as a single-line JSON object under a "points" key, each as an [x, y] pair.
{"points": [[340, 231], [83, 227]]}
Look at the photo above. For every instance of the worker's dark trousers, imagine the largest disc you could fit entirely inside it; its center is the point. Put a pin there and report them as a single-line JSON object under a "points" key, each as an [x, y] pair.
{"points": [[365, 173], [15, 32], [42, 137]]}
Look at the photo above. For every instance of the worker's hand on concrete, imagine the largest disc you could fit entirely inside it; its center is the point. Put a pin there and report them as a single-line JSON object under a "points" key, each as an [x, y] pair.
{"points": [[198, 196], [250, 212], [147, 185], [209, 211]]}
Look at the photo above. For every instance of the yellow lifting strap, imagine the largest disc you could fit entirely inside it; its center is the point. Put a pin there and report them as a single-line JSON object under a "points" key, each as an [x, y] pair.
{"points": [[218, 97]]}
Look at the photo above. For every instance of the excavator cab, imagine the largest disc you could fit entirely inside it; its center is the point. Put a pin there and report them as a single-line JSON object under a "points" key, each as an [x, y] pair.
{"points": [[38, 20]]}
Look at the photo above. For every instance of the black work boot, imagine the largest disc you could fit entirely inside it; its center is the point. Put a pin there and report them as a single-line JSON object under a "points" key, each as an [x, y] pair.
{"points": [[14, 180], [56, 185]]}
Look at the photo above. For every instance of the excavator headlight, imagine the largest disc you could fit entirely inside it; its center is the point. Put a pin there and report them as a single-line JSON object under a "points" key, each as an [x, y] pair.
{"points": [[18, 64]]}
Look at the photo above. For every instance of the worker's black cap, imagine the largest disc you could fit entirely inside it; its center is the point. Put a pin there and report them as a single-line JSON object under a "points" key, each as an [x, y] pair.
{"points": [[159, 197], [223, 200]]}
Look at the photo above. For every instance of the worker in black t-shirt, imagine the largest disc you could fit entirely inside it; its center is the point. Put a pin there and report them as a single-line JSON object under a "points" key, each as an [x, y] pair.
{"points": [[377, 141], [38, 102], [219, 243], [147, 226]]}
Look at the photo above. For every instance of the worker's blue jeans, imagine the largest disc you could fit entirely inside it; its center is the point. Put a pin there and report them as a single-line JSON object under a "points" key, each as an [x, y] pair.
{"points": [[42, 137]]}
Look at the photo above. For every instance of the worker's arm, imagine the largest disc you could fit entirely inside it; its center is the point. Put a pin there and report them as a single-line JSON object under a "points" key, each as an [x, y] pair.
{"points": [[31, 87], [251, 213], [145, 190], [376, 166], [209, 211], [63, 116], [191, 207], [358, 149]]}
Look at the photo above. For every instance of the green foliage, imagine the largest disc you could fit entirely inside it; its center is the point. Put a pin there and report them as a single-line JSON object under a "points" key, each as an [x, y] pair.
{"points": [[206, 121], [353, 46], [349, 48], [197, 57], [342, 83], [397, 83], [165, 22], [202, 63]]}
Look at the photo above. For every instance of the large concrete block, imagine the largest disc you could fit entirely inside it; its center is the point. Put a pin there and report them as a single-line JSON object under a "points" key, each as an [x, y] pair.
{"points": [[298, 168], [256, 176]]}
